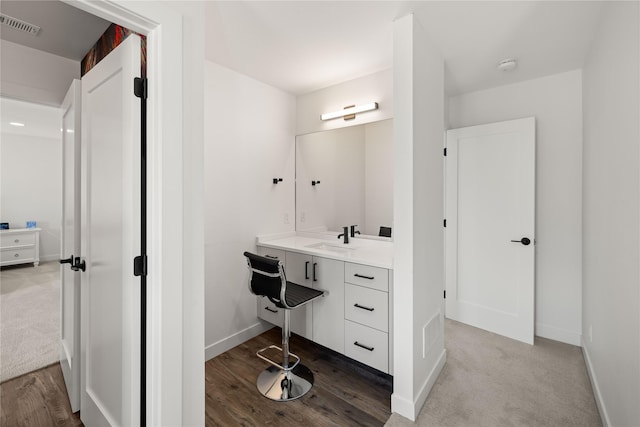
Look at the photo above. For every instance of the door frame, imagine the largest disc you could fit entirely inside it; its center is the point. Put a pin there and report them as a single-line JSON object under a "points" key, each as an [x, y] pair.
{"points": [[175, 335]]}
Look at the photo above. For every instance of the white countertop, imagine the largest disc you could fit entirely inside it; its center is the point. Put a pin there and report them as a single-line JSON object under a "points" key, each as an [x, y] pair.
{"points": [[377, 253]]}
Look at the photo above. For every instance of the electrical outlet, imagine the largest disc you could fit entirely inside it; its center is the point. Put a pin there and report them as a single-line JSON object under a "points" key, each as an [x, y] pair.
{"points": [[285, 218]]}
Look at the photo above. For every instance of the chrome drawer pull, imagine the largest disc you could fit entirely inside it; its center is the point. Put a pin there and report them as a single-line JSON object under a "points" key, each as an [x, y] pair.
{"points": [[268, 309], [363, 346], [364, 277], [363, 307]]}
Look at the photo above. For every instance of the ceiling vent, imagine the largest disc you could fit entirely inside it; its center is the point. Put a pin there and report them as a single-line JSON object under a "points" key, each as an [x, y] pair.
{"points": [[19, 25]]}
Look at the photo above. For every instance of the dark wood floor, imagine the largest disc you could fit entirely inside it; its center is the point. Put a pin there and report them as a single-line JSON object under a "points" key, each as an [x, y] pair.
{"points": [[345, 393], [36, 399]]}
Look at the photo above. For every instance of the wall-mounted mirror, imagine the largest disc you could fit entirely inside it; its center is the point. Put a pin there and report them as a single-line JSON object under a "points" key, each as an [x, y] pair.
{"points": [[345, 177]]}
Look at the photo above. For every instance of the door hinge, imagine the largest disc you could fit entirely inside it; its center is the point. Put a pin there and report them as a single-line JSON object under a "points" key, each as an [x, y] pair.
{"points": [[445, 223], [445, 151], [445, 294], [140, 265], [140, 87]]}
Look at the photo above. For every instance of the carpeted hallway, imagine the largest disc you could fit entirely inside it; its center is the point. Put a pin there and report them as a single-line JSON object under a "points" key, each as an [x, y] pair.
{"points": [[490, 380], [29, 318]]}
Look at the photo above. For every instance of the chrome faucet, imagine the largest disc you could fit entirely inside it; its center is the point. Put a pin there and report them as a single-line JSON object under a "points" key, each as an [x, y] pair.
{"points": [[345, 234]]}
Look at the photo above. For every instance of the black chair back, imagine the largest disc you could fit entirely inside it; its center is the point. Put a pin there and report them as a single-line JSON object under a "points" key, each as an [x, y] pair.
{"points": [[266, 277]]}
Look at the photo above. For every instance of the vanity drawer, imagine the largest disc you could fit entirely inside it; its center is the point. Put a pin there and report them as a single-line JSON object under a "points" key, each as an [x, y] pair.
{"points": [[17, 239], [366, 275], [273, 254], [367, 345], [366, 306], [17, 255], [269, 312]]}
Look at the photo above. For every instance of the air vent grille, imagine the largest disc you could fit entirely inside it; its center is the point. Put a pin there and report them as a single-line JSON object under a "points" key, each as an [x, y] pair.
{"points": [[19, 25]]}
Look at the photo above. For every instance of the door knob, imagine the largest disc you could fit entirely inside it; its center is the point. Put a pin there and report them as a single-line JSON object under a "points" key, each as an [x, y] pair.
{"points": [[525, 241], [78, 265]]}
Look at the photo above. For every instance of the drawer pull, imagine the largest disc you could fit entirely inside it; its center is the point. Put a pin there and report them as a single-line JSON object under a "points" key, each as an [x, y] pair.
{"points": [[363, 307], [306, 270], [271, 310], [16, 255], [16, 241], [364, 277], [363, 346], [272, 257]]}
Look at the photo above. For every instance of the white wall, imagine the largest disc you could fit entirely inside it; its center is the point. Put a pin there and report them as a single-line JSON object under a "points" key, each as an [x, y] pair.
{"points": [[418, 209], [31, 172], [556, 102], [611, 216], [377, 87], [249, 140], [33, 75]]}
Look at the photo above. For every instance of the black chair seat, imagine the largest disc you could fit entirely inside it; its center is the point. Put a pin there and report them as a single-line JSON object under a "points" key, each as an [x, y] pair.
{"points": [[298, 294]]}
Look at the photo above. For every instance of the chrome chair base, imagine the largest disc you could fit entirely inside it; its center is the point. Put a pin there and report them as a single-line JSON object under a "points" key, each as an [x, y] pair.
{"points": [[282, 386]]}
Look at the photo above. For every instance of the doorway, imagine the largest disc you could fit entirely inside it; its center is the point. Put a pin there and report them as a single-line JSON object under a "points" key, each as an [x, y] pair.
{"points": [[490, 229]]}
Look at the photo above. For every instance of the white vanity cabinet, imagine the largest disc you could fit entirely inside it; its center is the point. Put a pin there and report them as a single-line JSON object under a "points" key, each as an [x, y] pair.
{"points": [[355, 316], [317, 321], [20, 246], [366, 312]]}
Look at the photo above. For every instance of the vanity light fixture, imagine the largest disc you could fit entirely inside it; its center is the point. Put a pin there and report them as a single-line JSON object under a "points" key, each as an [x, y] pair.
{"points": [[350, 112], [16, 124]]}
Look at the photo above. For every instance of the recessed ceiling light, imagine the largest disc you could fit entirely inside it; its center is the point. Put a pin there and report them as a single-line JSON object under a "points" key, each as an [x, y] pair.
{"points": [[507, 64], [16, 124]]}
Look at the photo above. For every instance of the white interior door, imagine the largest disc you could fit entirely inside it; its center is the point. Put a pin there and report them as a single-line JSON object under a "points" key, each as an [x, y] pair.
{"points": [[70, 244], [110, 394], [490, 232]]}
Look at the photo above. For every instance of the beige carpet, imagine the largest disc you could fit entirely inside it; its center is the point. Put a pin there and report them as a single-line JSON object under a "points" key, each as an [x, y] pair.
{"points": [[29, 318], [490, 380]]}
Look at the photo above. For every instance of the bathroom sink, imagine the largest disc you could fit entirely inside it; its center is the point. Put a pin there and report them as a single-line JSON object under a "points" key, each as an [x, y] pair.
{"points": [[332, 247]]}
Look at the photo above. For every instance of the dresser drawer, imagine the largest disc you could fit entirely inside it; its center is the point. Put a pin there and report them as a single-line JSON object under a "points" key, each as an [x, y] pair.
{"points": [[365, 275], [366, 306], [269, 312], [367, 345], [273, 254], [18, 255], [17, 239]]}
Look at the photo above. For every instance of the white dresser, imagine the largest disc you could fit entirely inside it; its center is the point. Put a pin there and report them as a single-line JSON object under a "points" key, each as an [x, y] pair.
{"points": [[20, 246], [355, 318]]}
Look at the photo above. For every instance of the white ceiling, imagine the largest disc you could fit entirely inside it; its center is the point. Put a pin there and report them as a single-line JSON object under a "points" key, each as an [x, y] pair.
{"points": [[302, 46], [65, 30]]}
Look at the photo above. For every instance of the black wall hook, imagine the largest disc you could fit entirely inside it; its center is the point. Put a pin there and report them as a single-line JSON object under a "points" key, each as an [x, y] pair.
{"points": [[277, 180], [315, 182]]}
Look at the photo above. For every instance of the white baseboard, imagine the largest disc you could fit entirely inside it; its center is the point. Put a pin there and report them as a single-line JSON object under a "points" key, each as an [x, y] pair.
{"points": [[238, 338], [596, 389], [411, 409], [558, 334]]}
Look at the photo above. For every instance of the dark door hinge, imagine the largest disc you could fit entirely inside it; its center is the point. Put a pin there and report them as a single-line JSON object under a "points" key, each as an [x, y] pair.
{"points": [[445, 223], [140, 87], [445, 294], [445, 151], [140, 265]]}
